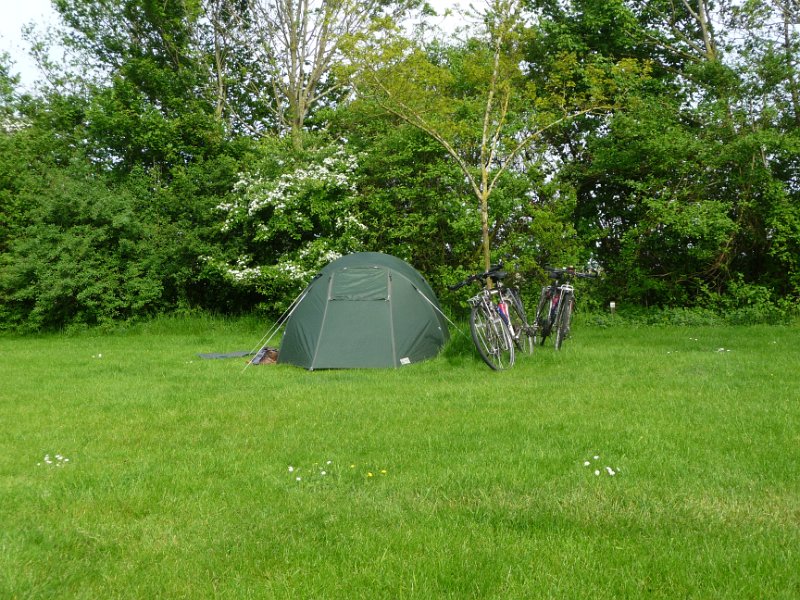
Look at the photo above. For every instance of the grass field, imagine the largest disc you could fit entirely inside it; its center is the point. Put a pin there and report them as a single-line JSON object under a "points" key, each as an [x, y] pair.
{"points": [[131, 469]]}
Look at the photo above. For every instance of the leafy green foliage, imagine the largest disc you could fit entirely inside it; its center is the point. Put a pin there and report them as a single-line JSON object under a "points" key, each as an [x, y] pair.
{"points": [[657, 140], [674, 209], [85, 257], [419, 206], [685, 188], [87, 240]]}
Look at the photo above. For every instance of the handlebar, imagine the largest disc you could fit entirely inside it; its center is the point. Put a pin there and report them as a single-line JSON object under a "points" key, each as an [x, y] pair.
{"points": [[568, 272], [495, 273]]}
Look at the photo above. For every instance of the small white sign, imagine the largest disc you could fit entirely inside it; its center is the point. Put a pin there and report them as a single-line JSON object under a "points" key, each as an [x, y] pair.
{"points": [[405, 361]]}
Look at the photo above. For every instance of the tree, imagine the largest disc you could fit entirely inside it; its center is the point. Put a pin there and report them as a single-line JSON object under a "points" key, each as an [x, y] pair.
{"points": [[298, 44], [686, 194], [291, 213], [12, 178], [144, 125], [476, 101], [84, 257], [684, 28], [151, 110]]}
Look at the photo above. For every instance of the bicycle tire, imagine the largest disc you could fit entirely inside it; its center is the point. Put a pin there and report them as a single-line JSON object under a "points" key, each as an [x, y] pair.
{"points": [[540, 325], [524, 334], [564, 319], [491, 337]]}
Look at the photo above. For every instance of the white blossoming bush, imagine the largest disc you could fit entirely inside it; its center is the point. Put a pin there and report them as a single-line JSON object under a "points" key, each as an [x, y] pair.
{"points": [[290, 217]]}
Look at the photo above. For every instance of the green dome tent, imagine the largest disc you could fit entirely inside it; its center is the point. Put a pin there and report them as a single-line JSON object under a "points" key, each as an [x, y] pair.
{"points": [[364, 310]]}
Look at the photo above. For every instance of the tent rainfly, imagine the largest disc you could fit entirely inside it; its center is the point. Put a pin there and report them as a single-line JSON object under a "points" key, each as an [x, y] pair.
{"points": [[364, 310]]}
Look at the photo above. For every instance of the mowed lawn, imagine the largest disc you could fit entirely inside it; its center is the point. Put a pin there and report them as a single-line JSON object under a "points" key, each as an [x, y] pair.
{"points": [[129, 468]]}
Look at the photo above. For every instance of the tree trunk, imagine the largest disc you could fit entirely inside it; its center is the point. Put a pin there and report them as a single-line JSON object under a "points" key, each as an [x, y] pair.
{"points": [[485, 241]]}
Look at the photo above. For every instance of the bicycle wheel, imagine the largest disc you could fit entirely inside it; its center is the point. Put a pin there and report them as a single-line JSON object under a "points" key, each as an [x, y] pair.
{"points": [[523, 332], [564, 319], [541, 322], [491, 337]]}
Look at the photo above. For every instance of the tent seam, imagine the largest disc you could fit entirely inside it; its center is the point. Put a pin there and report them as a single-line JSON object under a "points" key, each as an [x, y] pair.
{"points": [[391, 316], [324, 318]]}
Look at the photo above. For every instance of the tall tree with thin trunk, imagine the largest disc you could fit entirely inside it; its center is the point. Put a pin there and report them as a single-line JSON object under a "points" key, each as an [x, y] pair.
{"points": [[475, 100]]}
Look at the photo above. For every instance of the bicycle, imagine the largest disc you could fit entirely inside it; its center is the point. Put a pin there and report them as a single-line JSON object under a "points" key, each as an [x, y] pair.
{"points": [[497, 320], [556, 305]]}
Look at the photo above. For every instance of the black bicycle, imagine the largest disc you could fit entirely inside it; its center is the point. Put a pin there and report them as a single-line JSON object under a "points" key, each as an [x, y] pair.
{"points": [[556, 305], [497, 319]]}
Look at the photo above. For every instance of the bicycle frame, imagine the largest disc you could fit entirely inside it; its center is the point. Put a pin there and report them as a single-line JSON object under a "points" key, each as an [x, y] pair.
{"points": [[498, 307], [498, 299], [555, 299], [561, 290]]}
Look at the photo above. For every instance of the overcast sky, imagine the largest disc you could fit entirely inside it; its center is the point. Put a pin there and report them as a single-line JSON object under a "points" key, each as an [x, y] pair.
{"points": [[16, 14]]}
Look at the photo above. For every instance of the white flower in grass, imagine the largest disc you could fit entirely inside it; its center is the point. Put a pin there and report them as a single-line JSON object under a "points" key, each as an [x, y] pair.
{"points": [[611, 471], [586, 463], [597, 472], [57, 460], [291, 469], [298, 479], [323, 473], [597, 458]]}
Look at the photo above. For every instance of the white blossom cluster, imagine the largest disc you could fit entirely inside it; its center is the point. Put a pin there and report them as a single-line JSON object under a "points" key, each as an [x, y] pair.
{"points": [[330, 256], [294, 271], [284, 193], [334, 171], [350, 221], [9, 124], [300, 200], [242, 272], [318, 253]]}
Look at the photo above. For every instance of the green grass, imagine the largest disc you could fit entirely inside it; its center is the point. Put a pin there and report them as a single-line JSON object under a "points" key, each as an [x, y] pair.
{"points": [[178, 482]]}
